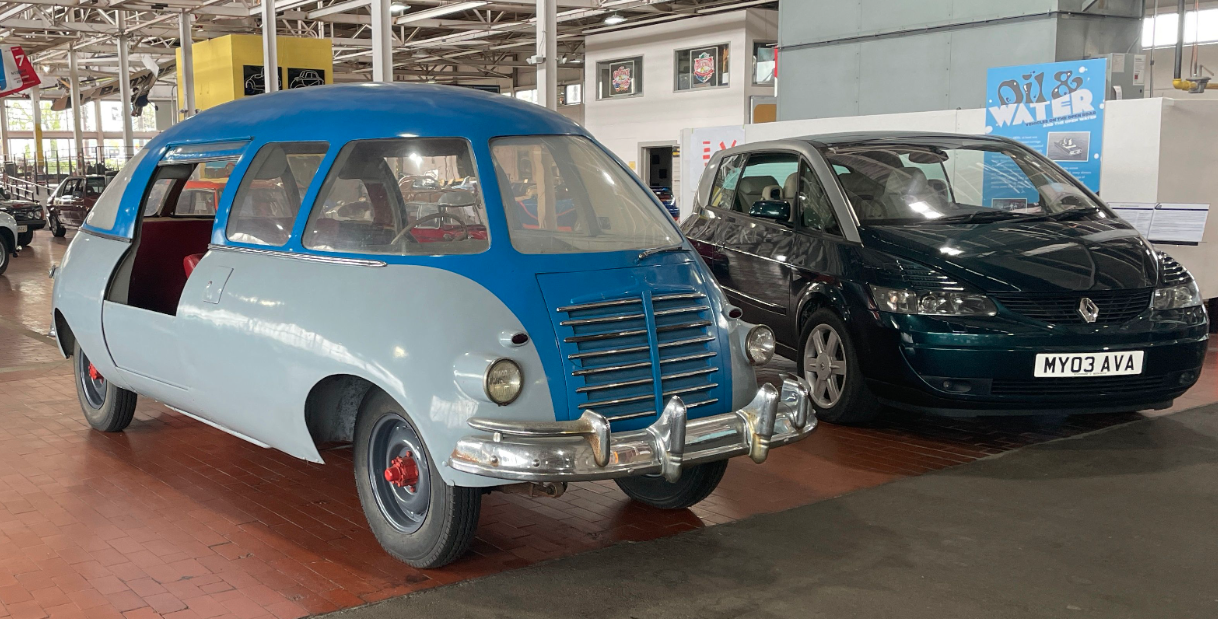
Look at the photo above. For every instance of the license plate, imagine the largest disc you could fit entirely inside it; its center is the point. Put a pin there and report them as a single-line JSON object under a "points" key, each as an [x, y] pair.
{"points": [[1123, 363], [21, 229]]}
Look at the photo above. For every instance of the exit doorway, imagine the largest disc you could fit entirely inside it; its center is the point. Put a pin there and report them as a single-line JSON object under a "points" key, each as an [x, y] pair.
{"points": [[657, 166]]}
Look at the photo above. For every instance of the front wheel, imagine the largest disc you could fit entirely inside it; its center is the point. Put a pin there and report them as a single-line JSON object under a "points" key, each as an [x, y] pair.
{"points": [[107, 408], [57, 229], [25, 238], [830, 364], [6, 254], [414, 515], [696, 483]]}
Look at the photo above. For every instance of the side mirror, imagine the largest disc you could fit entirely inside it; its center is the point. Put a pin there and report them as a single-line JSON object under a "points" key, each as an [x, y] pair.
{"points": [[777, 210]]}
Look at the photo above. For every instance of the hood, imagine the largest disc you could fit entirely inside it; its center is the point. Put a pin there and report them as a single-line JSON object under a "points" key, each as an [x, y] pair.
{"points": [[1033, 256]]}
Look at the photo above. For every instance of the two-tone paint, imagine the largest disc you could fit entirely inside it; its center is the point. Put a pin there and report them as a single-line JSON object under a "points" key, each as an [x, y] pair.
{"points": [[259, 329]]}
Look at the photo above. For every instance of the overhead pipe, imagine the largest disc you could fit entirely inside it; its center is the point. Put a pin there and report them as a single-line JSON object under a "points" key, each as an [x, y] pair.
{"points": [[1178, 81]]}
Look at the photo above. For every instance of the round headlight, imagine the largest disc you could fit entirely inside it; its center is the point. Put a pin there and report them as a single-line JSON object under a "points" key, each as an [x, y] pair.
{"points": [[759, 344], [503, 381]]}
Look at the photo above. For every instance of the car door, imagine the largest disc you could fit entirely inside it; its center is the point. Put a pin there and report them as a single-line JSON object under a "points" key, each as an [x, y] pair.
{"points": [[65, 201], [762, 237], [818, 255]]}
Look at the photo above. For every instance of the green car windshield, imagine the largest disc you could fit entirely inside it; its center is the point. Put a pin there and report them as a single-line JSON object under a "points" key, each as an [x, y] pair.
{"points": [[971, 183]]}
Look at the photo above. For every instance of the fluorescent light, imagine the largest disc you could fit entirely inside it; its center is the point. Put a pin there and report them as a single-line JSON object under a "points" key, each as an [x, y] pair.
{"points": [[397, 8], [614, 19], [438, 11]]}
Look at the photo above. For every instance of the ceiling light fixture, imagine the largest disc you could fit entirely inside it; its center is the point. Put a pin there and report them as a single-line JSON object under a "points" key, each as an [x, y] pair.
{"points": [[439, 11], [614, 19], [397, 8]]}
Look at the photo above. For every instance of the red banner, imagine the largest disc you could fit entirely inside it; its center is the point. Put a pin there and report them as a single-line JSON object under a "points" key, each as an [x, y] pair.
{"points": [[18, 73]]}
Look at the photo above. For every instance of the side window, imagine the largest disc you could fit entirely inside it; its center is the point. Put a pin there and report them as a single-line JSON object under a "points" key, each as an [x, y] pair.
{"points": [[724, 190], [400, 197], [187, 189], [268, 199], [158, 195], [769, 177], [105, 210], [815, 209]]}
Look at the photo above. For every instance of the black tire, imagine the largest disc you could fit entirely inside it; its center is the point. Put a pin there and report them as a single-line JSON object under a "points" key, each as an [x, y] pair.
{"points": [[106, 407], [25, 238], [855, 403], [444, 530], [6, 254], [696, 483], [57, 229]]}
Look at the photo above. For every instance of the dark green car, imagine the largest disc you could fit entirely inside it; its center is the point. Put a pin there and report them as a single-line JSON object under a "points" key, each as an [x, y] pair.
{"points": [[960, 275]]}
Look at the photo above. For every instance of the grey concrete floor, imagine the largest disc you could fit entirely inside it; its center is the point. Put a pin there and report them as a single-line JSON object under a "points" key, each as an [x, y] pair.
{"points": [[1118, 523]]}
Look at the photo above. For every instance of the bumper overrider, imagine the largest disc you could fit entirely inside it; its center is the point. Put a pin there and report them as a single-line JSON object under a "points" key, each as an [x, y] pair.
{"points": [[585, 449]]}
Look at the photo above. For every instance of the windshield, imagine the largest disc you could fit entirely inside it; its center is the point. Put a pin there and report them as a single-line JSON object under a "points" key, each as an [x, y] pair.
{"points": [[916, 184], [563, 195]]}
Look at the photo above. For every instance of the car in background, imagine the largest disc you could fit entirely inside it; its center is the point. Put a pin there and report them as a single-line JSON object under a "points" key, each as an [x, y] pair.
{"points": [[72, 201], [959, 275], [28, 216], [664, 195]]}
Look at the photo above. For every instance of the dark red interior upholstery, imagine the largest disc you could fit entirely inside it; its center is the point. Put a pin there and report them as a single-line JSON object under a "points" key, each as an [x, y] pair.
{"points": [[190, 262], [157, 277]]}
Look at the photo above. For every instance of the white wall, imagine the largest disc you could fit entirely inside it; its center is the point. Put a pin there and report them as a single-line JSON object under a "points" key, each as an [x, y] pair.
{"points": [[659, 115]]}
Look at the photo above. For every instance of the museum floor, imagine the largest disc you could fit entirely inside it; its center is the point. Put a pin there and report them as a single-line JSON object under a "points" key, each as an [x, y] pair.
{"points": [[173, 517]]}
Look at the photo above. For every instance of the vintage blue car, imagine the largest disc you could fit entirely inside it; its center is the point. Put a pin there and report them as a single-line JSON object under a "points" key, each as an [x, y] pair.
{"points": [[468, 288]]}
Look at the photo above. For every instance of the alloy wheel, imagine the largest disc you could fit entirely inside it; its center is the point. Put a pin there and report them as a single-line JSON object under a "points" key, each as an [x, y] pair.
{"points": [[399, 473], [825, 365]]}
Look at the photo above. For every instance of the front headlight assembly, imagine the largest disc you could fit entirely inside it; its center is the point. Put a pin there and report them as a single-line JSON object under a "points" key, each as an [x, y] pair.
{"points": [[932, 302], [1177, 297]]}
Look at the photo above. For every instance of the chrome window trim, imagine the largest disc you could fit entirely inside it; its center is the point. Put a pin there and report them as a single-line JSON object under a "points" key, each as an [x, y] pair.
{"points": [[358, 262], [104, 235]]}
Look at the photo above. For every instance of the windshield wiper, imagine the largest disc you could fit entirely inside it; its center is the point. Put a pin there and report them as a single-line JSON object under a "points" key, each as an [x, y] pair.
{"points": [[983, 216], [646, 253], [1072, 212]]}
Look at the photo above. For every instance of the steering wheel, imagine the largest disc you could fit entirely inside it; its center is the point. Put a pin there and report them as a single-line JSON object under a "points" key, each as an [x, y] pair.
{"points": [[432, 217]]}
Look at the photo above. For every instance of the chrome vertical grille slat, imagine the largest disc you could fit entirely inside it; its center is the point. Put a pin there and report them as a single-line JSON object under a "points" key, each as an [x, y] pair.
{"points": [[613, 347]]}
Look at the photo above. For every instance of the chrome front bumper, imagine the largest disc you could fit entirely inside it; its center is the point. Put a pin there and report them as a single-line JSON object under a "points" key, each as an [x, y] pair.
{"points": [[586, 449]]}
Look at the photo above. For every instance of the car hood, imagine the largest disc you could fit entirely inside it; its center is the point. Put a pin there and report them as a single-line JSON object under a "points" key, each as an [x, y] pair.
{"points": [[1035, 256]]}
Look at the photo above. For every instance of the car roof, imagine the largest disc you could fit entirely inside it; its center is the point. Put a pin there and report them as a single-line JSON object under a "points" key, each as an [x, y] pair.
{"points": [[852, 138], [342, 112]]}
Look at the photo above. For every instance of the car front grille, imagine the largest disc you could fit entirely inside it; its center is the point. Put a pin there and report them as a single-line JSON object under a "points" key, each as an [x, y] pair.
{"points": [[617, 341], [1084, 386], [1116, 306]]}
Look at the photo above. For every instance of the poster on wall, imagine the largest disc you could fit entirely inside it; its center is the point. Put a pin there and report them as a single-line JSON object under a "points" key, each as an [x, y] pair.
{"points": [[254, 82], [623, 77], [1056, 109], [704, 66], [18, 72], [303, 78]]}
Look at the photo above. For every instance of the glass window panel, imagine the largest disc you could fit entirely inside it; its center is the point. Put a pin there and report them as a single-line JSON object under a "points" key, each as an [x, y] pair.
{"points": [[105, 210], [269, 197], [563, 194], [413, 196], [765, 61], [702, 67], [620, 78]]}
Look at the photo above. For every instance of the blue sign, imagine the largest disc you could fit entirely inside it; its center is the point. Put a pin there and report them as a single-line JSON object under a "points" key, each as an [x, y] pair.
{"points": [[1056, 109]]}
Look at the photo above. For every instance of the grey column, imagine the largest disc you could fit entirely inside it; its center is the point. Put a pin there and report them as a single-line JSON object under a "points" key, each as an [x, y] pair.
{"points": [[124, 87], [4, 156], [382, 41], [547, 47], [188, 65], [78, 140], [270, 52]]}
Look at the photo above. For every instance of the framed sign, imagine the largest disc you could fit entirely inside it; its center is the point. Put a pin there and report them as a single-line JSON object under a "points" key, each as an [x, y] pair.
{"points": [[254, 83], [622, 75], [620, 78]]}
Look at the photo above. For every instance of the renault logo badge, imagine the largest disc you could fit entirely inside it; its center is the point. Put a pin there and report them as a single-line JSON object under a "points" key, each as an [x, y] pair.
{"points": [[1088, 309]]}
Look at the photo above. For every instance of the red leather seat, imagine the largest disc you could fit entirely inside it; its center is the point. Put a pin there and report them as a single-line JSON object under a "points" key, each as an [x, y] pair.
{"points": [[190, 262]]}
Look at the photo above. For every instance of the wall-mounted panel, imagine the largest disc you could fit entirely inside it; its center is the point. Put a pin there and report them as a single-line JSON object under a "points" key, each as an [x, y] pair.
{"points": [[974, 52], [806, 21], [819, 82], [906, 74]]}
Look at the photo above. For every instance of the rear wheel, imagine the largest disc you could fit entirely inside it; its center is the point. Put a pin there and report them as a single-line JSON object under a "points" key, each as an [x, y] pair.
{"points": [[25, 238], [414, 515], [830, 364], [107, 408], [696, 483]]}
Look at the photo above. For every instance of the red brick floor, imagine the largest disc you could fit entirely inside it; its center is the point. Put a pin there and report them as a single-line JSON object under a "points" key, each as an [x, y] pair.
{"points": [[173, 518]]}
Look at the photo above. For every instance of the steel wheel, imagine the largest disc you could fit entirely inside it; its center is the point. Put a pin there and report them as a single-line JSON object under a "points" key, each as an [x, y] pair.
{"points": [[399, 474], [92, 383], [825, 365]]}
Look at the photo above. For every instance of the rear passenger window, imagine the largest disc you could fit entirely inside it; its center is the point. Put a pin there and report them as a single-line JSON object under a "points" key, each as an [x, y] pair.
{"points": [[768, 177], [270, 194], [815, 209]]}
